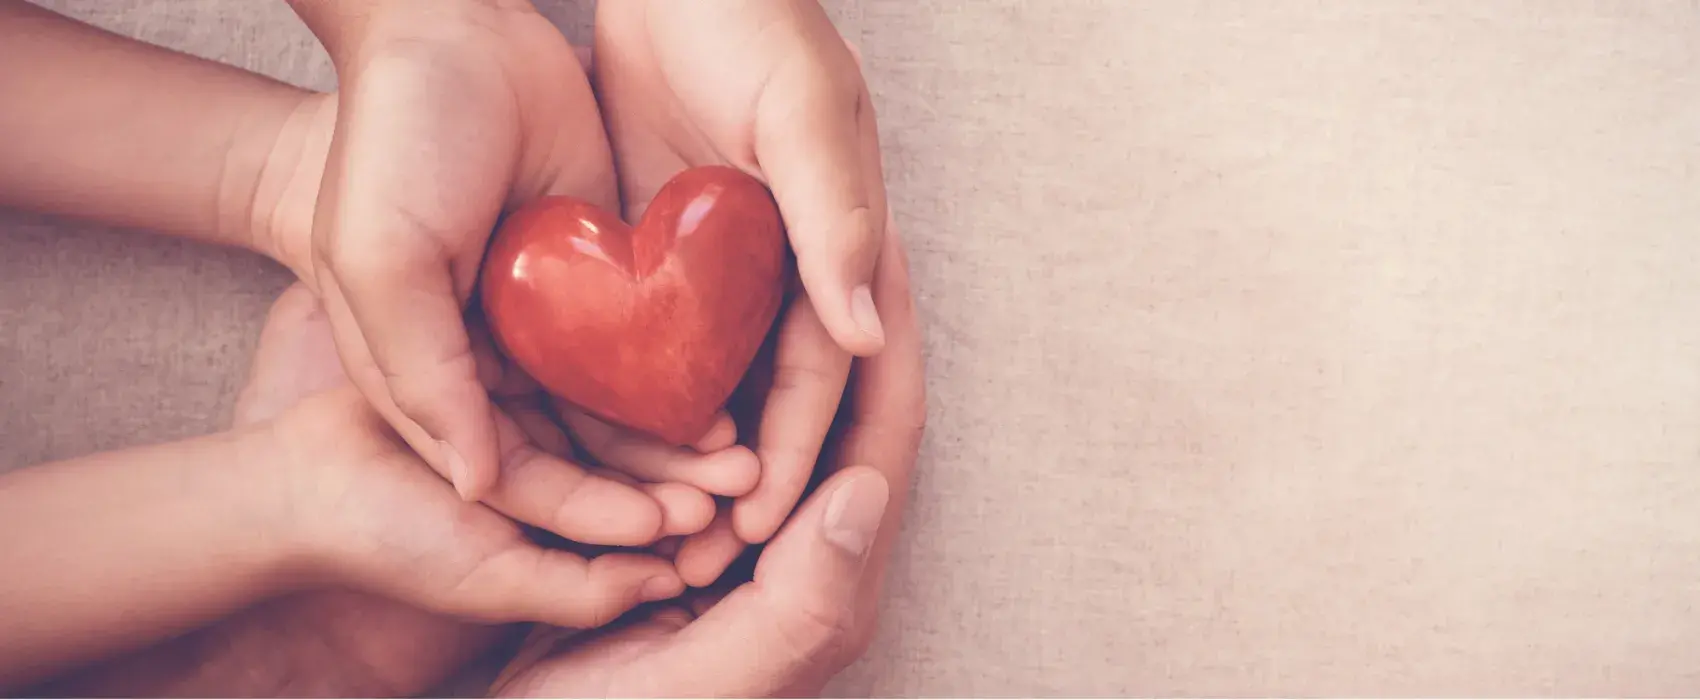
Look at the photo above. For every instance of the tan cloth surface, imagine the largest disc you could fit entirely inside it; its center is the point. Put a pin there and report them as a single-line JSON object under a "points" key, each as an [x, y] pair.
{"points": [[1274, 348]]}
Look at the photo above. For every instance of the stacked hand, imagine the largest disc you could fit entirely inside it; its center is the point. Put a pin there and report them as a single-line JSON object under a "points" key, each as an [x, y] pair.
{"points": [[449, 114]]}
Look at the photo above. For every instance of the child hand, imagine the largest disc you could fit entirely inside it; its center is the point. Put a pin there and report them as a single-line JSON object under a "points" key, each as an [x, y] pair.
{"points": [[383, 196], [376, 519], [296, 357], [329, 642]]}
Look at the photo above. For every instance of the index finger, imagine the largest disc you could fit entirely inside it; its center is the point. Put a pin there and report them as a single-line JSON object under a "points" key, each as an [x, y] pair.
{"points": [[809, 375]]}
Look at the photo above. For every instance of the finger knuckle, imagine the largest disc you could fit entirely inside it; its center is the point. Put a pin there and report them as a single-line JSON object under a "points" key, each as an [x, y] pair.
{"points": [[804, 377], [482, 591], [787, 466], [417, 388], [596, 611], [818, 631], [609, 596], [569, 496]]}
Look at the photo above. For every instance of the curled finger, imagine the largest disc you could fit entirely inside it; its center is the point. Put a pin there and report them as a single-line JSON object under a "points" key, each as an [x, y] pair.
{"points": [[731, 471], [531, 584], [704, 556], [809, 375], [558, 495], [685, 509]]}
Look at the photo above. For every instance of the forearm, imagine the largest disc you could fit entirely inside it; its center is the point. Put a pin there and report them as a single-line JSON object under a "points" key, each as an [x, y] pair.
{"points": [[328, 643], [109, 129], [256, 653], [108, 552]]}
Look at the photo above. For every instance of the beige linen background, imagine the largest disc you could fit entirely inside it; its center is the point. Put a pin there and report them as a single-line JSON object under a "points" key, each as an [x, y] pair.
{"points": [[1275, 347]]}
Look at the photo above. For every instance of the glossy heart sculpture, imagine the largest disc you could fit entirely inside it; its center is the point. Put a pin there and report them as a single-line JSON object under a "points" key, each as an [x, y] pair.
{"points": [[649, 327]]}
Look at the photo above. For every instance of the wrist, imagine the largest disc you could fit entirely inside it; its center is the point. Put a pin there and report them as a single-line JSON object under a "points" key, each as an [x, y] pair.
{"points": [[313, 443], [277, 196], [273, 522]]}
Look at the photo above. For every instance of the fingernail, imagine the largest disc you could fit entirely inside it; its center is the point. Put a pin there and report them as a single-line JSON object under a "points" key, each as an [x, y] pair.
{"points": [[862, 311], [456, 466], [660, 588], [853, 514]]}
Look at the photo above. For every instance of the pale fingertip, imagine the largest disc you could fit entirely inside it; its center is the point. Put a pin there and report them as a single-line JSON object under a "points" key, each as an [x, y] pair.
{"points": [[753, 523], [736, 470], [723, 434], [685, 510], [703, 557]]}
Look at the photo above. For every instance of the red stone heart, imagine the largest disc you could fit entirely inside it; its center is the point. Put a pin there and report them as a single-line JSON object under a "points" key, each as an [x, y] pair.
{"points": [[649, 327]]}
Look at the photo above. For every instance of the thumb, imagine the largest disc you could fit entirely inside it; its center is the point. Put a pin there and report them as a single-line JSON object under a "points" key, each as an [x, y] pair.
{"points": [[818, 148], [413, 359], [797, 615]]}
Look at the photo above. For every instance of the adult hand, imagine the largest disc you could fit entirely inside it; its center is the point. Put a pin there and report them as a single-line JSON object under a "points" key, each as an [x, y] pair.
{"points": [[448, 113], [769, 87], [811, 606]]}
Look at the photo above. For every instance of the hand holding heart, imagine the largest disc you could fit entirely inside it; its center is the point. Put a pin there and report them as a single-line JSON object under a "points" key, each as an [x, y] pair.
{"points": [[769, 88], [650, 328], [454, 113]]}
